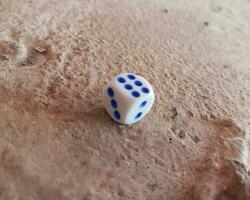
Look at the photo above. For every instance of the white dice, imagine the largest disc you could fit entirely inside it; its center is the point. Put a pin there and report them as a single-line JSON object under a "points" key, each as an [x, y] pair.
{"points": [[128, 98]]}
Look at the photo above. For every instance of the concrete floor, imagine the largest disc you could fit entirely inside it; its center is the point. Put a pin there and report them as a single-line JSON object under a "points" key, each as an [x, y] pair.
{"points": [[57, 142]]}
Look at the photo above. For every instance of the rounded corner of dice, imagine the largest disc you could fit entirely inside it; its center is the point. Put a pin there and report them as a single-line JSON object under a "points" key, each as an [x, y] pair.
{"points": [[128, 98]]}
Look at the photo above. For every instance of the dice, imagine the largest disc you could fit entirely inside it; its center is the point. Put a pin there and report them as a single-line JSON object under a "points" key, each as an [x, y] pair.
{"points": [[128, 98]]}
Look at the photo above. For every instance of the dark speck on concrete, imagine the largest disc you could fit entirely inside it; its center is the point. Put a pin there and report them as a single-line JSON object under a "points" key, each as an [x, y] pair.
{"points": [[45, 104], [175, 112], [196, 139], [206, 23], [182, 134]]}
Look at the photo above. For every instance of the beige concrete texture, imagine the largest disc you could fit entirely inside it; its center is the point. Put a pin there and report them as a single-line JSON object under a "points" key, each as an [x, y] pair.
{"points": [[56, 140]]}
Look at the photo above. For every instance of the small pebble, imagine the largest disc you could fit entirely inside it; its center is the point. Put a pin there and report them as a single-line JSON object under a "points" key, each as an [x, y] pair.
{"points": [[182, 134], [41, 49]]}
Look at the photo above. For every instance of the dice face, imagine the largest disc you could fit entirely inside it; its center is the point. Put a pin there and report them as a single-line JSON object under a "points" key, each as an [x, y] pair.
{"points": [[128, 98]]}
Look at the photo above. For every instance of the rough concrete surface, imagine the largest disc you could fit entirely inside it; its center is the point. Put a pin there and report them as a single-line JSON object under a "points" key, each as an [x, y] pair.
{"points": [[57, 142]]}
